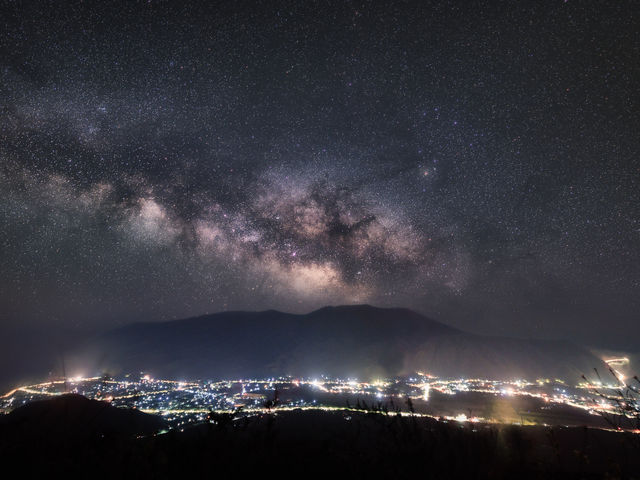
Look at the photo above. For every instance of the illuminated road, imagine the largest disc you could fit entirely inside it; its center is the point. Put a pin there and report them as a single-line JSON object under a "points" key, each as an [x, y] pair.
{"points": [[179, 399]]}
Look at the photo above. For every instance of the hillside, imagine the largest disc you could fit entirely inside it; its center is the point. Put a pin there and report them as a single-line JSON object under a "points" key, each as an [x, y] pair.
{"points": [[349, 341], [75, 417]]}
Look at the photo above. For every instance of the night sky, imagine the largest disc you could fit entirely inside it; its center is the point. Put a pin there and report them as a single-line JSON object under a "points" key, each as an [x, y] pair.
{"points": [[476, 162]]}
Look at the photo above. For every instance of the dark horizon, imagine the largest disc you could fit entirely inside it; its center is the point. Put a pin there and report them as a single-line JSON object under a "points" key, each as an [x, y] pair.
{"points": [[87, 331]]}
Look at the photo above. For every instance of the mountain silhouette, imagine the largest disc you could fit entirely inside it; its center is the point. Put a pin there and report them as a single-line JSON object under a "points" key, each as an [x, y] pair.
{"points": [[359, 341]]}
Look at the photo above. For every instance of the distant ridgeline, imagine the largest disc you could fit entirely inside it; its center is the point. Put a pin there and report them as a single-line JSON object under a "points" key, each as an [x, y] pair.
{"points": [[349, 341]]}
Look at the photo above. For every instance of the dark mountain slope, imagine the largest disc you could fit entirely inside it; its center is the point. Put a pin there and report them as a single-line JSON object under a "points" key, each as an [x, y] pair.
{"points": [[77, 417], [360, 341]]}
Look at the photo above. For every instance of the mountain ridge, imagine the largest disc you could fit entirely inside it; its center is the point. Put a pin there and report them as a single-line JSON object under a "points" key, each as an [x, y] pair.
{"points": [[349, 341]]}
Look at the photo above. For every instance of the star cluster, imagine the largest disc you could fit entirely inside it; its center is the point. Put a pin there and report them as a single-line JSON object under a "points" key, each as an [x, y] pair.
{"points": [[477, 163]]}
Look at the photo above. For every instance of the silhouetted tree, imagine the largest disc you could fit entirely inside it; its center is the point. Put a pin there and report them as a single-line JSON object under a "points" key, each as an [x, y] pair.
{"points": [[274, 402], [625, 399]]}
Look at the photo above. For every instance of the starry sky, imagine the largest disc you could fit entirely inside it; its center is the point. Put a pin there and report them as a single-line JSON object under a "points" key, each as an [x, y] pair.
{"points": [[474, 161]]}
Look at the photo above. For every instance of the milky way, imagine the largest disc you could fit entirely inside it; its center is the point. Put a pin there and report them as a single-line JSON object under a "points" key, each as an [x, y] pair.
{"points": [[476, 163]]}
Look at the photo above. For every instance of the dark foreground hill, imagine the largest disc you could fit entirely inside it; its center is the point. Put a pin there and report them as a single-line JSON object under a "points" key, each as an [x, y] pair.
{"points": [[350, 341], [74, 417], [319, 444]]}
